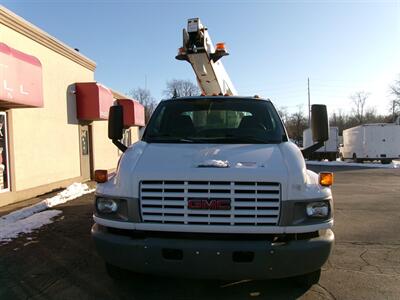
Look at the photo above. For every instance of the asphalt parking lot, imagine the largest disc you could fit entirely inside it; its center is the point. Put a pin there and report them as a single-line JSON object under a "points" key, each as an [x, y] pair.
{"points": [[59, 262]]}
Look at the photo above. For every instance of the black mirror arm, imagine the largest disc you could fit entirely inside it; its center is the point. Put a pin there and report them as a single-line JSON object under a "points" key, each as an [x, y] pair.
{"points": [[307, 151], [119, 145]]}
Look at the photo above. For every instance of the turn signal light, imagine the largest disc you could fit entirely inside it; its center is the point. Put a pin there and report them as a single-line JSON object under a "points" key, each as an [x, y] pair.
{"points": [[326, 178], [100, 176], [220, 47]]}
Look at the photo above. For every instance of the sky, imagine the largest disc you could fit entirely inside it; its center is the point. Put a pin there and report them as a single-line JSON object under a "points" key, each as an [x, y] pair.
{"points": [[274, 46]]}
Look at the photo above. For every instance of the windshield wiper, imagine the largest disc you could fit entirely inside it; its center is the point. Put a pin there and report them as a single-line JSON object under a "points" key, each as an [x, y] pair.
{"points": [[165, 138], [250, 139], [186, 140]]}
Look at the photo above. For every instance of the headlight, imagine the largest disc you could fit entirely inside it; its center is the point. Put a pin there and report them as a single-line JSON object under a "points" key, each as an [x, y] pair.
{"points": [[105, 205], [318, 209]]}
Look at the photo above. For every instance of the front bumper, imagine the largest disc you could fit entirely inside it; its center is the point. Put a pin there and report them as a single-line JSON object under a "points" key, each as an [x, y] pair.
{"points": [[213, 258]]}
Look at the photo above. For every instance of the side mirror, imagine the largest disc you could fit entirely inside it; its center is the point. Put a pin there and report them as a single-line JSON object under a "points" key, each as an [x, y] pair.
{"points": [[319, 123], [116, 122], [116, 126]]}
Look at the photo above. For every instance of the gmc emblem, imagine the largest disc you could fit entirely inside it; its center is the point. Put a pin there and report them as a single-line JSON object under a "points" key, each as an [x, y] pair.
{"points": [[209, 204]]}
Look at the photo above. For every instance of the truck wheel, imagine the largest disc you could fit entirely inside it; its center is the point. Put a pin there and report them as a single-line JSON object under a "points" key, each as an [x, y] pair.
{"points": [[308, 279], [386, 161], [116, 273], [357, 160]]}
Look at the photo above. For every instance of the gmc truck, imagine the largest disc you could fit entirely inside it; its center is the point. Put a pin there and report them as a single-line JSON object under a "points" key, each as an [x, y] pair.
{"points": [[214, 188]]}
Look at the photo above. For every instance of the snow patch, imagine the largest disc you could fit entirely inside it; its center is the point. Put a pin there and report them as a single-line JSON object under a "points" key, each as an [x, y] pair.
{"points": [[394, 165], [72, 192], [214, 163], [29, 218], [12, 230]]}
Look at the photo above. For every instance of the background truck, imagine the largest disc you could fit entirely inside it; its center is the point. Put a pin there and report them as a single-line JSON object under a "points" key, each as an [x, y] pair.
{"points": [[329, 150], [214, 189], [371, 142]]}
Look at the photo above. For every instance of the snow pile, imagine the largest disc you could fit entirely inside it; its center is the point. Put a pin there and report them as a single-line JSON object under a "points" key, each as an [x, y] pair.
{"points": [[27, 219], [10, 230], [72, 192], [23, 213], [393, 165], [214, 163]]}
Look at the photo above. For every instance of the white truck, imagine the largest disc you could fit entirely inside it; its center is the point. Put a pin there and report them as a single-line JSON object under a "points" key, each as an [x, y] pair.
{"points": [[369, 142], [329, 150], [214, 188]]}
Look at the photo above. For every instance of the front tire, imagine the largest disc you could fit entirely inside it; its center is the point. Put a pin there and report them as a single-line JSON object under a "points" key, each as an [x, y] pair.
{"points": [[357, 160], [308, 279], [386, 161]]}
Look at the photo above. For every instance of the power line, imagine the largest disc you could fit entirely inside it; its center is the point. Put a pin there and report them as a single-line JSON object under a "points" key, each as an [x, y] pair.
{"points": [[309, 103]]}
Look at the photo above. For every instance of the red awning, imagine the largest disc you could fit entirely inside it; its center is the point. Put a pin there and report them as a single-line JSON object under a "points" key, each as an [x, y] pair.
{"points": [[133, 112], [93, 101], [20, 79]]}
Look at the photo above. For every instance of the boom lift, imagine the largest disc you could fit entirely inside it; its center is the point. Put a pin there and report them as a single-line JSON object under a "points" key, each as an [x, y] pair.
{"points": [[211, 75], [199, 51]]}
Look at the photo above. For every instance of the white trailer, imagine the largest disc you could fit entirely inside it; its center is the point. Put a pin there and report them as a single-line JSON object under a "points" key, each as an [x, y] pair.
{"points": [[330, 148], [370, 142]]}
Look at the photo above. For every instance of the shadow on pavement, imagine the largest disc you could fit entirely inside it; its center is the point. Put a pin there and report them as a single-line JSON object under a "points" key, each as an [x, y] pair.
{"points": [[154, 287]]}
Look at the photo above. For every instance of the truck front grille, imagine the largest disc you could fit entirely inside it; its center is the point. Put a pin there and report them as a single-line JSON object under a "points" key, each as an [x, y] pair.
{"points": [[251, 203]]}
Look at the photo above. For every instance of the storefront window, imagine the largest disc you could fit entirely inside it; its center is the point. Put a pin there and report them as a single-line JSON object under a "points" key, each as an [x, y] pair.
{"points": [[4, 167], [127, 138]]}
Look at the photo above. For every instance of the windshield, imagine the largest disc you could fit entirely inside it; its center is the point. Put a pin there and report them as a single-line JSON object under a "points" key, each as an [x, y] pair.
{"points": [[215, 121]]}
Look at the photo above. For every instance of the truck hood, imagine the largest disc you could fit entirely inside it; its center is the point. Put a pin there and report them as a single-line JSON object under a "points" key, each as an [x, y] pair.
{"points": [[282, 163], [184, 161]]}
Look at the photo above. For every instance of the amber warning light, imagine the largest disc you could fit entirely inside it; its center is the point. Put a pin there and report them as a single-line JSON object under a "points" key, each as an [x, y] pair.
{"points": [[181, 50], [326, 178], [100, 176], [220, 47]]}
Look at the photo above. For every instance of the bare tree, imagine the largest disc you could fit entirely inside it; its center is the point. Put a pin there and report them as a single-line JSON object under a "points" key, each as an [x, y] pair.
{"points": [[181, 88], [395, 105], [284, 114], [339, 120], [359, 100], [146, 99], [296, 124]]}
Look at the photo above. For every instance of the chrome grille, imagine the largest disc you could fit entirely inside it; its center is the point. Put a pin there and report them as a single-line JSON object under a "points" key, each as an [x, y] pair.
{"points": [[252, 203]]}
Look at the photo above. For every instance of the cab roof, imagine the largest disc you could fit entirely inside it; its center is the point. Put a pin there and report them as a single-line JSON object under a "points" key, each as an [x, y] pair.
{"points": [[218, 98]]}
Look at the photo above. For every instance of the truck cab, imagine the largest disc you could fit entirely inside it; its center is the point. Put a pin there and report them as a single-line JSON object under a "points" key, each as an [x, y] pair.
{"points": [[214, 189]]}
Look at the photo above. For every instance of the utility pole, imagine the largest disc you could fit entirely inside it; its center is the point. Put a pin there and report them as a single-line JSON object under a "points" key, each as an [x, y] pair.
{"points": [[309, 103]]}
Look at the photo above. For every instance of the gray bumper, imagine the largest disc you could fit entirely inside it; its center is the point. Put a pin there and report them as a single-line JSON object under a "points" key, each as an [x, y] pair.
{"points": [[214, 258]]}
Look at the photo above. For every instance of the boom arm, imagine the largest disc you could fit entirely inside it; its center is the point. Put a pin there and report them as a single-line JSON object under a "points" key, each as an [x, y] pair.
{"points": [[199, 51]]}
